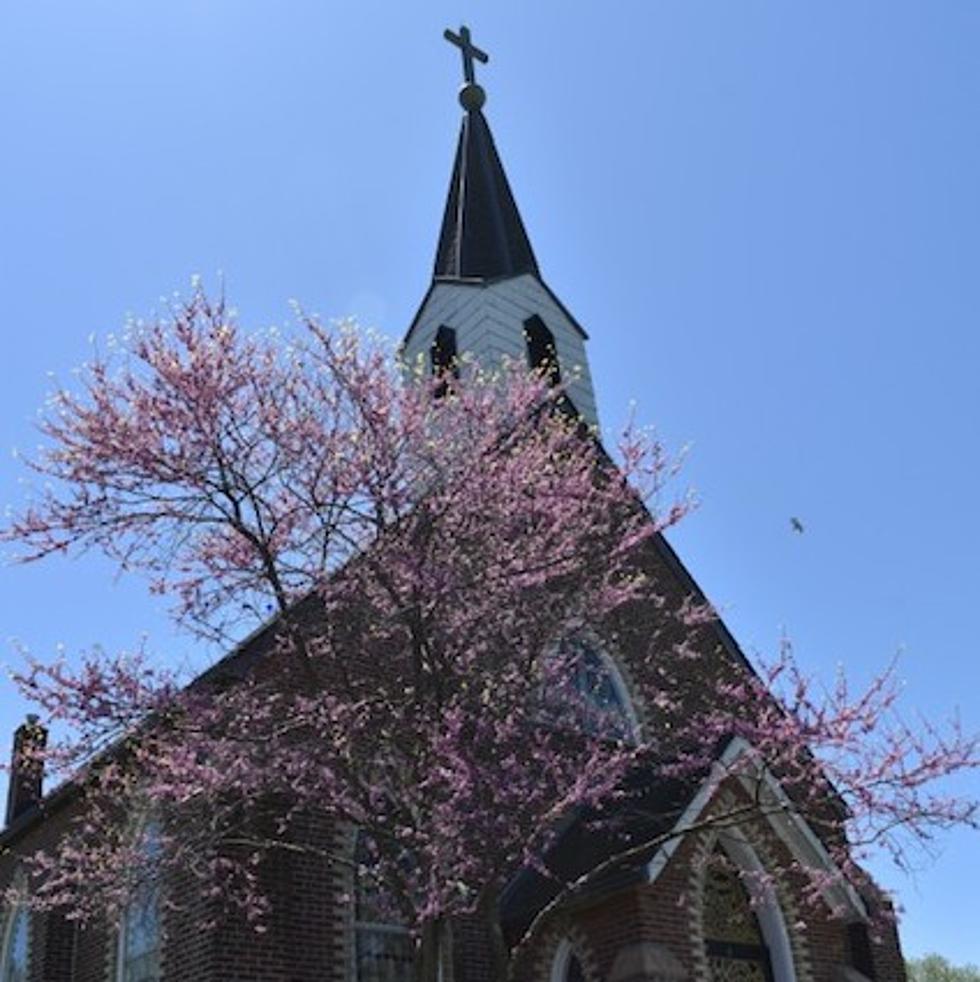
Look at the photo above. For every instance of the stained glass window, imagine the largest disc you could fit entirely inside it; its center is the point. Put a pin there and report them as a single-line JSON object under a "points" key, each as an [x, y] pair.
{"points": [[13, 958], [605, 703], [734, 944]]}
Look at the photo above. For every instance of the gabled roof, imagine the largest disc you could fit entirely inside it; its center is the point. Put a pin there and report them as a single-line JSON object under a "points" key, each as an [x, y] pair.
{"points": [[482, 234]]}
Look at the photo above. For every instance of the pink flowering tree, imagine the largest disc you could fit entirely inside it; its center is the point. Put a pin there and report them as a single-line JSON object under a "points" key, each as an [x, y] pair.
{"points": [[424, 554]]}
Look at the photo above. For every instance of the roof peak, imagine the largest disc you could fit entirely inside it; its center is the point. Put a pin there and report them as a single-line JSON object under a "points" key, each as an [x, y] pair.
{"points": [[482, 236]]}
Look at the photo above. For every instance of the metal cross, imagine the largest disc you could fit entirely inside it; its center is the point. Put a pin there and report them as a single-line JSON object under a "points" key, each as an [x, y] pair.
{"points": [[469, 50]]}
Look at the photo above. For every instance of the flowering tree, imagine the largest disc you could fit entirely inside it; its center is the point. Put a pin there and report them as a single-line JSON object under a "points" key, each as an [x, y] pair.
{"points": [[425, 552]]}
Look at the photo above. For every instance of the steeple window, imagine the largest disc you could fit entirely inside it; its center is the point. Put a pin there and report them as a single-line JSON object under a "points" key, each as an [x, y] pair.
{"points": [[443, 359], [542, 353]]}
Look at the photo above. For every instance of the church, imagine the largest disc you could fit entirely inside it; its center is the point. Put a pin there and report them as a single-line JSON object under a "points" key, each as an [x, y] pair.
{"points": [[684, 911]]}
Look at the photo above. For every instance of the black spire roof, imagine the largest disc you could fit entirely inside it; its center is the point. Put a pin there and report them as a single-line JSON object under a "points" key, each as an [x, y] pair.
{"points": [[482, 233]]}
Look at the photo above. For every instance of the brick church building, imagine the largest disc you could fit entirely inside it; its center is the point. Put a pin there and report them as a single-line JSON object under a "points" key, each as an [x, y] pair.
{"points": [[680, 913]]}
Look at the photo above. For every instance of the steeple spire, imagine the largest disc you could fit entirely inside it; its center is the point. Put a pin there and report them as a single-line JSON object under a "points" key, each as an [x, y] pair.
{"points": [[482, 234], [487, 302]]}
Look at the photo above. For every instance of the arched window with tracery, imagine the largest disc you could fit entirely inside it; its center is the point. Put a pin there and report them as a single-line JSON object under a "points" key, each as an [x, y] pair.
{"points": [[733, 939], [15, 950], [605, 704], [383, 948]]}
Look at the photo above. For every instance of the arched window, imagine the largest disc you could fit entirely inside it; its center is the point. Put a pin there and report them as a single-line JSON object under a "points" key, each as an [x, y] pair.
{"points": [[383, 948], [733, 940], [15, 951], [542, 353], [138, 955], [606, 704], [443, 359]]}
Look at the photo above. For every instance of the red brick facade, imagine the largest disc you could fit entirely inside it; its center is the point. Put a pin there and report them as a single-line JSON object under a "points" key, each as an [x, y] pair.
{"points": [[647, 930]]}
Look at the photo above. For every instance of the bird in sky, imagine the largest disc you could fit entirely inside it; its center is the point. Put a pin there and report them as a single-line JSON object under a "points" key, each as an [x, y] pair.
{"points": [[796, 525]]}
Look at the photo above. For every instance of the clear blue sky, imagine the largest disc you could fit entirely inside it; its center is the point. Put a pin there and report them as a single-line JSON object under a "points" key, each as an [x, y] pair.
{"points": [[767, 214]]}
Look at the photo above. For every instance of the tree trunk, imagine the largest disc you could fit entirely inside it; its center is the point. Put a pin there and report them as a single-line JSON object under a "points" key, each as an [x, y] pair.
{"points": [[430, 952]]}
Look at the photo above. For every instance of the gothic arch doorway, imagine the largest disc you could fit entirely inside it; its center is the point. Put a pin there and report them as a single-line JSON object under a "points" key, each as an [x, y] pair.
{"points": [[733, 941], [745, 936]]}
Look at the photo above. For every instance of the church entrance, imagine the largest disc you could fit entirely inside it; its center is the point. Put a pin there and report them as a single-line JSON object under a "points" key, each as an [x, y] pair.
{"points": [[734, 943]]}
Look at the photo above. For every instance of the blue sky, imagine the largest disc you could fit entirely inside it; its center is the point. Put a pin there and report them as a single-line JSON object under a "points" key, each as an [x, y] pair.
{"points": [[765, 213]]}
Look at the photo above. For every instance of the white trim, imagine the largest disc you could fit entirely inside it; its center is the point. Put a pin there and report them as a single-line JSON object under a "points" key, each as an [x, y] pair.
{"points": [[559, 964], [788, 824], [698, 803]]}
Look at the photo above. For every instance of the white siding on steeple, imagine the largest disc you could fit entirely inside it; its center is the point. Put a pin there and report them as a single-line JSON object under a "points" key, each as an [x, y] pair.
{"points": [[489, 323]]}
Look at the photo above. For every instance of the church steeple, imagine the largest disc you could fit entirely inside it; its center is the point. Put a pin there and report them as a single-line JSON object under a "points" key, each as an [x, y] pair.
{"points": [[487, 301], [482, 234]]}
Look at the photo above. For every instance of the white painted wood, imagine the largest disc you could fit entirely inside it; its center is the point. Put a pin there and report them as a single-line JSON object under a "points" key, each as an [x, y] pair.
{"points": [[559, 964], [489, 324]]}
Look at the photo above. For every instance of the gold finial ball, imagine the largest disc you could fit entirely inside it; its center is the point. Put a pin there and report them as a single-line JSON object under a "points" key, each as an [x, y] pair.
{"points": [[472, 96]]}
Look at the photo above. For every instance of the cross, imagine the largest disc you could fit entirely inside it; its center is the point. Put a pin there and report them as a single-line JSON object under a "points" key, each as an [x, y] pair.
{"points": [[469, 50]]}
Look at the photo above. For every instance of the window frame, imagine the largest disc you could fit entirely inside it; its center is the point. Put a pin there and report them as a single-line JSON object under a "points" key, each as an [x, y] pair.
{"points": [[359, 926], [589, 641], [150, 830]]}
